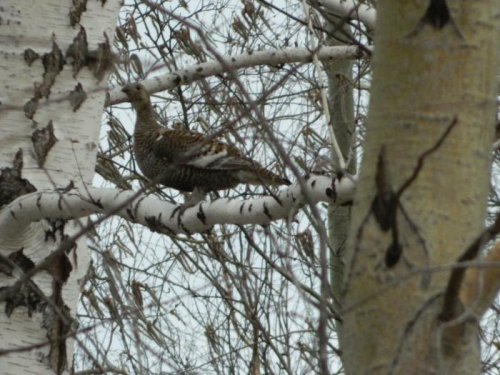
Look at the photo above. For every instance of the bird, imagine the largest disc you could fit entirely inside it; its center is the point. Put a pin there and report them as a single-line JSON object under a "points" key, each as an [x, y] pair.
{"points": [[186, 160]]}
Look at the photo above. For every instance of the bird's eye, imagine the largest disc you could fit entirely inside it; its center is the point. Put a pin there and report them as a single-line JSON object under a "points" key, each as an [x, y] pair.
{"points": [[137, 88]]}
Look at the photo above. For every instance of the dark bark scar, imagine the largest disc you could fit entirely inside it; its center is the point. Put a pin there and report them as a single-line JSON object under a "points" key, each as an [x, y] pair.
{"points": [[387, 207], [437, 15]]}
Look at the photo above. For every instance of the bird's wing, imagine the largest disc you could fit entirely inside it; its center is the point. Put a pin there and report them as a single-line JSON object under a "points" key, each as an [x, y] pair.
{"points": [[197, 150]]}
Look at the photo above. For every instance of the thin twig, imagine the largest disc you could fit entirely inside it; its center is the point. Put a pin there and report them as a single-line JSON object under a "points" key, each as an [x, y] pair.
{"points": [[452, 304]]}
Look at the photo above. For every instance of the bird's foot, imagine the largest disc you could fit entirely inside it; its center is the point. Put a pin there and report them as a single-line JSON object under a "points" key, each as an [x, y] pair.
{"points": [[191, 200], [195, 197]]}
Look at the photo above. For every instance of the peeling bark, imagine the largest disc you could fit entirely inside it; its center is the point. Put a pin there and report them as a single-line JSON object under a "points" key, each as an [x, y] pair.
{"points": [[51, 123], [12, 184], [43, 140]]}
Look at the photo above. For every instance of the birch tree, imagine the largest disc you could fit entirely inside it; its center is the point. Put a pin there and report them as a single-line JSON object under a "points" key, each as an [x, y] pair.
{"points": [[55, 62], [421, 201], [54, 89]]}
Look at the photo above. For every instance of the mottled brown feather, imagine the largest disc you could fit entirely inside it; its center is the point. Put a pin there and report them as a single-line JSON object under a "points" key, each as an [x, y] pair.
{"points": [[187, 160]]}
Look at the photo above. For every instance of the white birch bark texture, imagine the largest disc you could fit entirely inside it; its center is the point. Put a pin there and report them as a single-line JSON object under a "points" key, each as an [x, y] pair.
{"points": [[351, 9], [434, 86], [196, 72], [164, 217], [54, 58], [341, 102]]}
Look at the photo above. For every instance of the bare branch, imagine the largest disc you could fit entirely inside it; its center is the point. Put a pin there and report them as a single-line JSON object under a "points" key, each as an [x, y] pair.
{"points": [[165, 217], [452, 302], [270, 57], [352, 9], [481, 285]]}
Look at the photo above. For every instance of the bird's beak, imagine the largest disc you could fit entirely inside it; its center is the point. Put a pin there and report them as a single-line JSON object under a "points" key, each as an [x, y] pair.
{"points": [[126, 89]]}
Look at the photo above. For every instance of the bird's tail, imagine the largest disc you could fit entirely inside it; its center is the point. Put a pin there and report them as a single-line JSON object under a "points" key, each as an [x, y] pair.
{"points": [[261, 176]]}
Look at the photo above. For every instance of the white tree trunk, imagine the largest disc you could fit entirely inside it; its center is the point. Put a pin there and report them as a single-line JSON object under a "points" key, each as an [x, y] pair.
{"points": [[52, 91], [422, 193]]}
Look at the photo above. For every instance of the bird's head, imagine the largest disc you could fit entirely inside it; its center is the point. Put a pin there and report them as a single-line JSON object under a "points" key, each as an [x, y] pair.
{"points": [[138, 95]]}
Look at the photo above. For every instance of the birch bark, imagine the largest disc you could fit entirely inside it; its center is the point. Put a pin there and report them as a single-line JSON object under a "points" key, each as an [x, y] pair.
{"points": [[434, 85], [55, 58]]}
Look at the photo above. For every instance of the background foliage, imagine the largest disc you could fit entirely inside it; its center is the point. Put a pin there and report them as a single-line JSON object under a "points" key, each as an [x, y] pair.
{"points": [[233, 300]]}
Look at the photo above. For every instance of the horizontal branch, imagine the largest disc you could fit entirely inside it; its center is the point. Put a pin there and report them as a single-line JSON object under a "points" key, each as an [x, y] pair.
{"points": [[352, 9], [166, 217], [253, 58]]}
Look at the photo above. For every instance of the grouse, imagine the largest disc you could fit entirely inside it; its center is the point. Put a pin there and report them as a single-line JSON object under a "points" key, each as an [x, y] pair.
{"points": [[189, 161]]}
